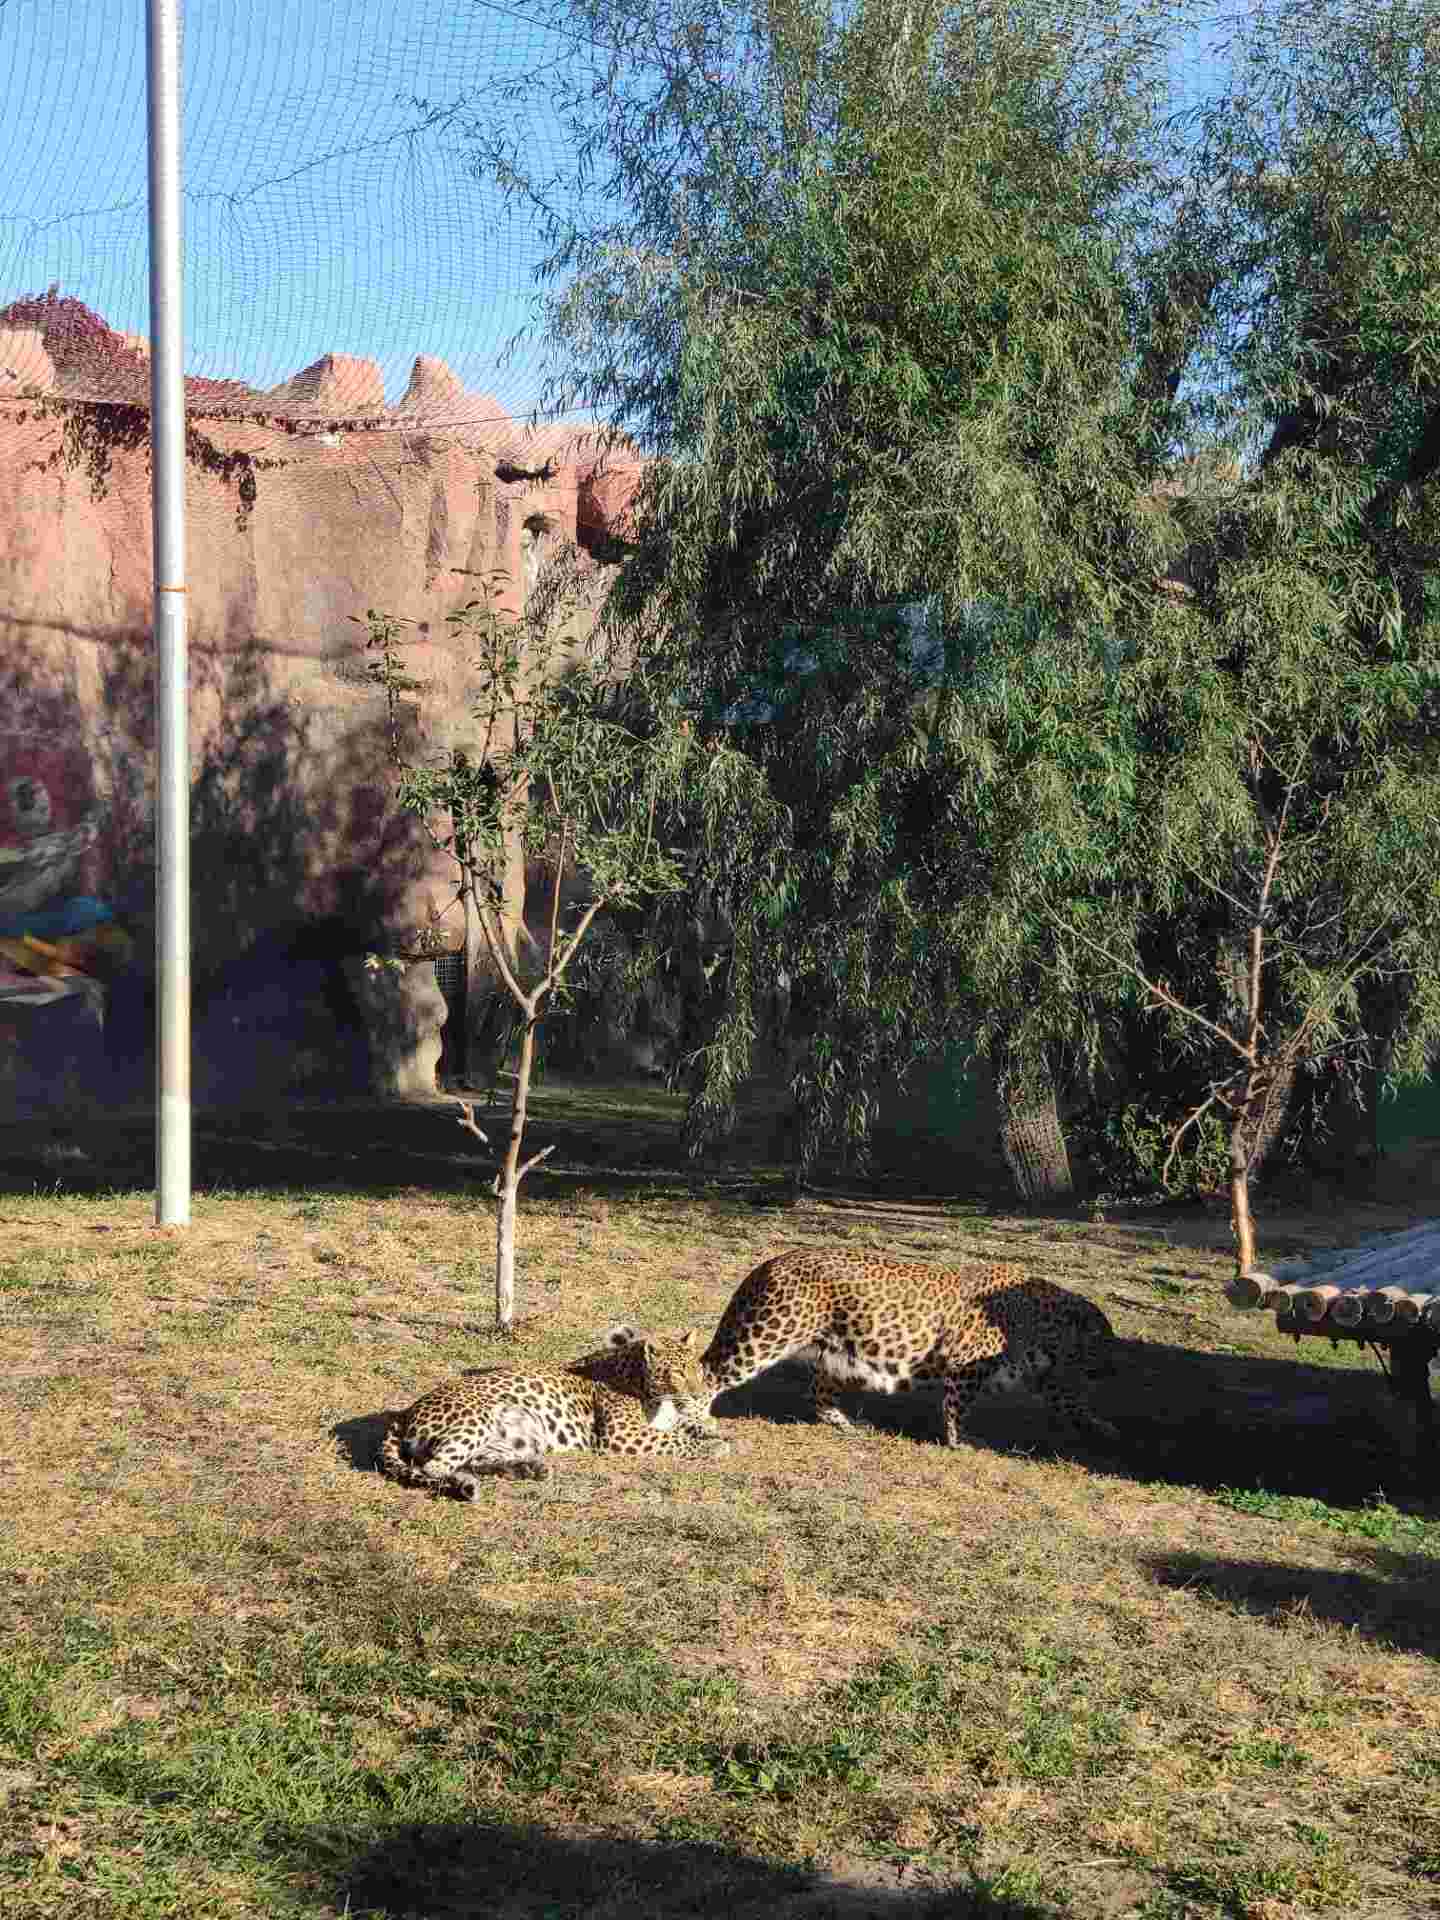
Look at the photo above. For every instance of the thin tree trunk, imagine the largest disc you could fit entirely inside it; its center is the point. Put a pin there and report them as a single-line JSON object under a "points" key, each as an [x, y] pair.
{"points": [[1252, 1109], [505, 1256], [1241, 1221], [509, 1182]]}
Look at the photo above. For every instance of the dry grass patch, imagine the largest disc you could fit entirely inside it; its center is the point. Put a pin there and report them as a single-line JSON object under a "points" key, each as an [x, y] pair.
{"points": [[241, 1675]]}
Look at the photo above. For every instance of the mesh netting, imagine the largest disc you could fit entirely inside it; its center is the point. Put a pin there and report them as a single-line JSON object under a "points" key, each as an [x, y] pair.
{"points": [[330, 203], [336, 226]]}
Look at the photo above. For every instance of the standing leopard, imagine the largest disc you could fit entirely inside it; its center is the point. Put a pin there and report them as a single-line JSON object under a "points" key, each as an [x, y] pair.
{"points": [[873, 1323], [504, 1421]]}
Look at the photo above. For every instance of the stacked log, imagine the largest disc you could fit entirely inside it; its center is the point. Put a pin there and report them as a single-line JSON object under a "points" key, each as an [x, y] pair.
{"points": [[1321, 1307]]}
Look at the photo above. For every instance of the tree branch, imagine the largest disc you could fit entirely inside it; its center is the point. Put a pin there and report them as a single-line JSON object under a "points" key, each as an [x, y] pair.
{"points": [[1354, 965], [1213, 885], [559, 876], [467, 1121], [502, 965], [557, 968], [523, 1169], [1180, 1132], [1152, 987]]}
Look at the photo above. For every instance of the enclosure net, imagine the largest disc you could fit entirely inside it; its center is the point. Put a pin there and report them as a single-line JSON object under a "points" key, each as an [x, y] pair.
{"points": [[331, 200]]}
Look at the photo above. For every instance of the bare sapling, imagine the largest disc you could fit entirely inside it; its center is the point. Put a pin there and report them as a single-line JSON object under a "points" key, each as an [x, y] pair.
{"points": [[555, 780]]}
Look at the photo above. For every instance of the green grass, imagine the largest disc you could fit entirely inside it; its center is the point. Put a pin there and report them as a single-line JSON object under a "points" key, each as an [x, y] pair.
{"points": [[241, 1678], [26, 1714], [1376, 1520]]}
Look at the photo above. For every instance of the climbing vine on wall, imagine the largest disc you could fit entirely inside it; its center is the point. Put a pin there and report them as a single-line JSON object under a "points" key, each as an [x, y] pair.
{"points": [[88, 353], [93, 431]]}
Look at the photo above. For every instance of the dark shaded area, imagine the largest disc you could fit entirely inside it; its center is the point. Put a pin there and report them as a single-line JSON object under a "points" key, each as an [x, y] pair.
{"points": [[1187, 1418], [451, 1871], [1285, 1425], [354, 1145], [359, 1439], [296, 862], [606, 1140], [1398, 1610]]}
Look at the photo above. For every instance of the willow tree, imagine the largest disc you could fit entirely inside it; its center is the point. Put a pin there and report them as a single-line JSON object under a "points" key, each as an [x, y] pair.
{"points": [[1227, 817], [920, 311], [860, 285]]}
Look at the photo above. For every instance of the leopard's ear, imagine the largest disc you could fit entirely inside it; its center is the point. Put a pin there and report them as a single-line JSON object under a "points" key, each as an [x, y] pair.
{"points": [[689, 1339], [622, 1335]]}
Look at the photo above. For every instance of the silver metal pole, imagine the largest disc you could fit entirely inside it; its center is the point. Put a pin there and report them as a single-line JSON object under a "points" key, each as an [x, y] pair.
{"points": [[172, 733]]}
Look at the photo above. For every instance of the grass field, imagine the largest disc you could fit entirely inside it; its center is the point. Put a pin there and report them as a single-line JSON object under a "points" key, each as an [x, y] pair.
{"points": [[834, 1674]]}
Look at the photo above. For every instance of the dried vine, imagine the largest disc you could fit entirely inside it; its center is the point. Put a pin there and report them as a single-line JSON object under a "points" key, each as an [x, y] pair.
{"points": [[93, 431]]}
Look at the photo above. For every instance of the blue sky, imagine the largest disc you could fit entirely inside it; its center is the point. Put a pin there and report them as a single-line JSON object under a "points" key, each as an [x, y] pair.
{"points": [[316, 218]]}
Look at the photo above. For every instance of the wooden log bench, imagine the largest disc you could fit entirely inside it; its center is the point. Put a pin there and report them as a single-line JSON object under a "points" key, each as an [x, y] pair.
{"points": [[1401, 1323]]}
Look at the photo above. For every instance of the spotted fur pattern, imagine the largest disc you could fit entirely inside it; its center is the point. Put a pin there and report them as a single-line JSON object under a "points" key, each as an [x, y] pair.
{"points": [[877, 1324], [504, 1421], [624, 1363]]}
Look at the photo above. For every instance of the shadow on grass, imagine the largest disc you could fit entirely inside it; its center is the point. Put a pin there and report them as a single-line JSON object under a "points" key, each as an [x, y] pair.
{"points": [[453, 1870], [356, 1146], [359, 1439], [1187, 1418], [1399, 1611], [606, 1138]]}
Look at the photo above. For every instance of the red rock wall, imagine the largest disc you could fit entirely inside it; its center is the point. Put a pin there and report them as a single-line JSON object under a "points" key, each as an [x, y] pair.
{"points": [[354, 507]]}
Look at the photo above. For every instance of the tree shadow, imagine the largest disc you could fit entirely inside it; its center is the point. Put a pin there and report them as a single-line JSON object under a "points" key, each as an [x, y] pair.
{"points": [[1398, 1610], [301, 1141], [472, 1871]]}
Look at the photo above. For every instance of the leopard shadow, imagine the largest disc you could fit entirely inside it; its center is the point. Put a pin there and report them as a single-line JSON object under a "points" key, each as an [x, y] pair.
{"points": [[1186, 1418]]}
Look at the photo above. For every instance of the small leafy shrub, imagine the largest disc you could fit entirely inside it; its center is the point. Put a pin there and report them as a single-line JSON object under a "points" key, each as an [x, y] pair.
{"points": [[1126, 1144], [781, 1771]]}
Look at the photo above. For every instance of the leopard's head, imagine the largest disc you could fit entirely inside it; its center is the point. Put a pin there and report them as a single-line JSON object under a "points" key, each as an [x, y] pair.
{"points": [[1092, 1337], [672, 1382]]}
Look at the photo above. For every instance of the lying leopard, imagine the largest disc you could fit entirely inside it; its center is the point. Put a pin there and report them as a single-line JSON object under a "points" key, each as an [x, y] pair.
{"points": [[504, 1421], [625, 1363], [879, 1324]]}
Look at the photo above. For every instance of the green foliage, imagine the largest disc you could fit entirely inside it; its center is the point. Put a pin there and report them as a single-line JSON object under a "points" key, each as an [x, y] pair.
{"points": [[914, 309], [564, 772], [552, 762], [1126, 1144], [856, 287], [26, 1713], [1237, 1891], [782, 1770], [1377, 1520]]}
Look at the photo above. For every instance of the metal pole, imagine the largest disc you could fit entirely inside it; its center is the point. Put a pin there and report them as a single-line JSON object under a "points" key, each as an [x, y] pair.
{"points": [[172, 780]]}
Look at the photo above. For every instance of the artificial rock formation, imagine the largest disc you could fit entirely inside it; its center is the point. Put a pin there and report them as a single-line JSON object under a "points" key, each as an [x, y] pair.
{"points": [[307, 506]]}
